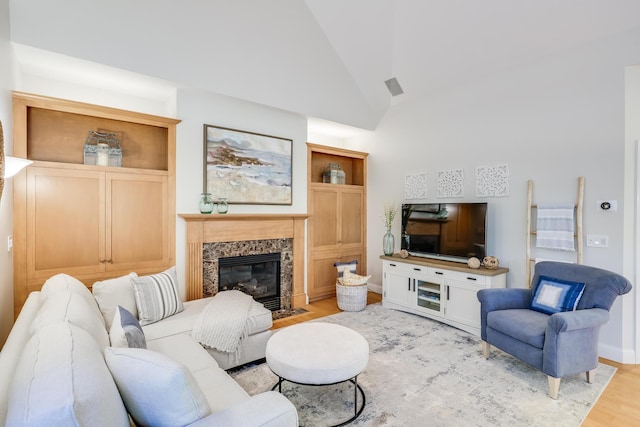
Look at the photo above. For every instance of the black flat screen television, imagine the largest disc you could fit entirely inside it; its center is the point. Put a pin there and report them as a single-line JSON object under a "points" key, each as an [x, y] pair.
{"points": [[449, 231]]}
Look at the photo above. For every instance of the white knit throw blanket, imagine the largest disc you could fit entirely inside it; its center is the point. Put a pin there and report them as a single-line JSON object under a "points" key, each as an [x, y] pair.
{"points": [[223, 323]]}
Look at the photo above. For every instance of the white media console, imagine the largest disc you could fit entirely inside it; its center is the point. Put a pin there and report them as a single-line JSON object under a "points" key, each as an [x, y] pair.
{"points": [[441, 290]]}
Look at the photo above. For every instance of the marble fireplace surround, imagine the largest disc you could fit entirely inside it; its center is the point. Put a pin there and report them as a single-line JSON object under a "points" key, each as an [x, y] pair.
{"points": [[201, 229], [212, 252]]}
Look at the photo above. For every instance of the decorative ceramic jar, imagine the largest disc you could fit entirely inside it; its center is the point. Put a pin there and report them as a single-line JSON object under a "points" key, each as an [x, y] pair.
{"points": [[206, 203], [473, 262]]}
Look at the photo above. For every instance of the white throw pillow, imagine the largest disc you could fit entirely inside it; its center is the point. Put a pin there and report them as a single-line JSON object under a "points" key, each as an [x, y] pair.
{"points": [[156, 390], [157, 296], [65, 306], [66, 283], [126, 330], [111, 293], [62, 380]]}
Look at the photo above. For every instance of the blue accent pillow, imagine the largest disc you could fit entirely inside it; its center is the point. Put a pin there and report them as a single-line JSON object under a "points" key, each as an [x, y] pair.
{"points": [[556, 295], [126, 330]]}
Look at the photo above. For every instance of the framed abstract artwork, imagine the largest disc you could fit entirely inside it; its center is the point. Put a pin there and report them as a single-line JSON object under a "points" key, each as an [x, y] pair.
{"points": [[247, 167]]}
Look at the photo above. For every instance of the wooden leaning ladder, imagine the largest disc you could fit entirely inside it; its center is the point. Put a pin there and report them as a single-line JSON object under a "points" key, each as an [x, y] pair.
{"points": [[578, 233]]}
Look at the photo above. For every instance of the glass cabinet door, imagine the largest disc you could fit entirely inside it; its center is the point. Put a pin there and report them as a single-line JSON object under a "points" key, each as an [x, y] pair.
{"points": [[429, 295]]}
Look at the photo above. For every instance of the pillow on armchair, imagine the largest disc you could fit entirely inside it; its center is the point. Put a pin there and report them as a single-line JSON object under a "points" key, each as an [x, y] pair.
{"points": [[556, 295]]}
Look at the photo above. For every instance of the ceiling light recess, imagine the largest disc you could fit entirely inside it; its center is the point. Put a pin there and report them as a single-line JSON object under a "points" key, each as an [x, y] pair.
{"points": [[394, 87]]}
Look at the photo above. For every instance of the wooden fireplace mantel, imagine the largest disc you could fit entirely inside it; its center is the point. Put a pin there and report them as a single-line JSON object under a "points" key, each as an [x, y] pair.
{"points": [[236, 227]]}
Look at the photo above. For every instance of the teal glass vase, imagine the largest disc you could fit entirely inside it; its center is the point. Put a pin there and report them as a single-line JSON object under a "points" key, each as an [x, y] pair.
{"points": [[388, 243], [206, 203]]}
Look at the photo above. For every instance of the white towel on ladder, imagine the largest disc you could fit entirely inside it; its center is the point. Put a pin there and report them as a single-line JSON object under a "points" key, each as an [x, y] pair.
{"points": [[555, 227]]}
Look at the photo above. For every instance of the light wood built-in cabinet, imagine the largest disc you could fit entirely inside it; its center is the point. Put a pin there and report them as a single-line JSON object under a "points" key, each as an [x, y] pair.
{"points": [[92, 222], [336, 226]]}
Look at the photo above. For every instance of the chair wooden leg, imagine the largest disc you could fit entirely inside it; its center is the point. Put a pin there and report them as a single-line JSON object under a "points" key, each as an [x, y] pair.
{"points": [[554, 386], [591, 375], [486, 349]]}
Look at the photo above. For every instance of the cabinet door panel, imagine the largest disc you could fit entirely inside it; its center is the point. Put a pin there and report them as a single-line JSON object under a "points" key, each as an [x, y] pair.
{"points": [[324, 218], [397, 287], [463, 305], [351, 226], [65, 213], [136, 220]]}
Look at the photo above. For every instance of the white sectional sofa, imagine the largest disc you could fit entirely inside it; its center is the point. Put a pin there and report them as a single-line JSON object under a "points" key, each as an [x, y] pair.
{"points": [[58, 367]]}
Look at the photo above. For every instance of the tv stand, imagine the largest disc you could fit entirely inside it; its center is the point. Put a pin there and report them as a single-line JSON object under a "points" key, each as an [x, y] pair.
{"points": [[441, 290]]}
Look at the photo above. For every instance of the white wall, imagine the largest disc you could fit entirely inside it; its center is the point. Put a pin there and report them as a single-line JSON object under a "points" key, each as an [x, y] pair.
{"points": [[59, 76], [550, 122], [631, 328], [196, 108]]}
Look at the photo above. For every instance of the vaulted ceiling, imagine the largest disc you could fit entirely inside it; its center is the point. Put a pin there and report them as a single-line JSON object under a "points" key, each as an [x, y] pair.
{"points": [[319, 58]]}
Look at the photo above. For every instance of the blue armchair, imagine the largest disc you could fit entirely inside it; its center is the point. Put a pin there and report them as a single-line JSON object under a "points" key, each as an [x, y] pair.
{"points": [[560, 344]]}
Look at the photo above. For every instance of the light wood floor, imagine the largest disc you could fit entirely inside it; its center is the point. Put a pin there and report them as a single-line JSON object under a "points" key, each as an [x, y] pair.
{"points": [[619, 404]]}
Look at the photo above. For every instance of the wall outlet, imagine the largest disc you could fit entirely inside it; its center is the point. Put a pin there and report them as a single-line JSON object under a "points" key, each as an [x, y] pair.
{"points": [[9, 243], [597, 240]]}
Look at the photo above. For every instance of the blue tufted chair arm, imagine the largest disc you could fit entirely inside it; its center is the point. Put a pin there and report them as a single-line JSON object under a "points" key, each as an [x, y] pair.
{"points": [[579, 319], [571, 341], [504, 299]]}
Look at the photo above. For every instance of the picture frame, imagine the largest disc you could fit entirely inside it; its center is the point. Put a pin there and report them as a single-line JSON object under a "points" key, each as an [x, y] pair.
{"points": [[247, 167]]}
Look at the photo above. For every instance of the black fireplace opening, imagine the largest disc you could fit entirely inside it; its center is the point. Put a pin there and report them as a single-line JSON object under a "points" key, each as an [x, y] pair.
{"points": [[255, 275]]}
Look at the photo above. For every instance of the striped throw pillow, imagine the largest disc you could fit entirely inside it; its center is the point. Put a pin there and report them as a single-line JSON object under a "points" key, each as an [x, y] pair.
{"points": [[157, 296], [342, 266]]}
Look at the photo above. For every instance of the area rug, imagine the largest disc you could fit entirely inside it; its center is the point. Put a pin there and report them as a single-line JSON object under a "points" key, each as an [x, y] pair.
{"points": [[424, 373]]}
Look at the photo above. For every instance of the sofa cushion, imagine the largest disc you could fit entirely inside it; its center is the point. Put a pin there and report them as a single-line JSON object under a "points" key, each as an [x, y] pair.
{"points": [[126, 330], [65, 306], [66, 283], [556, 295], [522, 324], [62, 380], [156, 390], [184, 349], [111, 293], [157, 296]]}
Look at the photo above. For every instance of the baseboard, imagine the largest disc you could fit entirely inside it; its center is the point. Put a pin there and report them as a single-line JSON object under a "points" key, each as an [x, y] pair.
{"points": [[373, 287], [616, 354]]}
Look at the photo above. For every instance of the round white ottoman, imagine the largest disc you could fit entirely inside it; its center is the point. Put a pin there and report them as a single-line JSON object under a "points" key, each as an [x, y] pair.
{"points": [[317, 353]]}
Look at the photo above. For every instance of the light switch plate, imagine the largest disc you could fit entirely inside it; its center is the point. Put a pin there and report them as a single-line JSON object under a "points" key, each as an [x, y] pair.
{"points": [[597, 240]]}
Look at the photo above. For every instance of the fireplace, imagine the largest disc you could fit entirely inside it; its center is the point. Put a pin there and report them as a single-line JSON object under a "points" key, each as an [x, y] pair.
{"points": [[210, 237], [255, 275], [264, 257]]}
